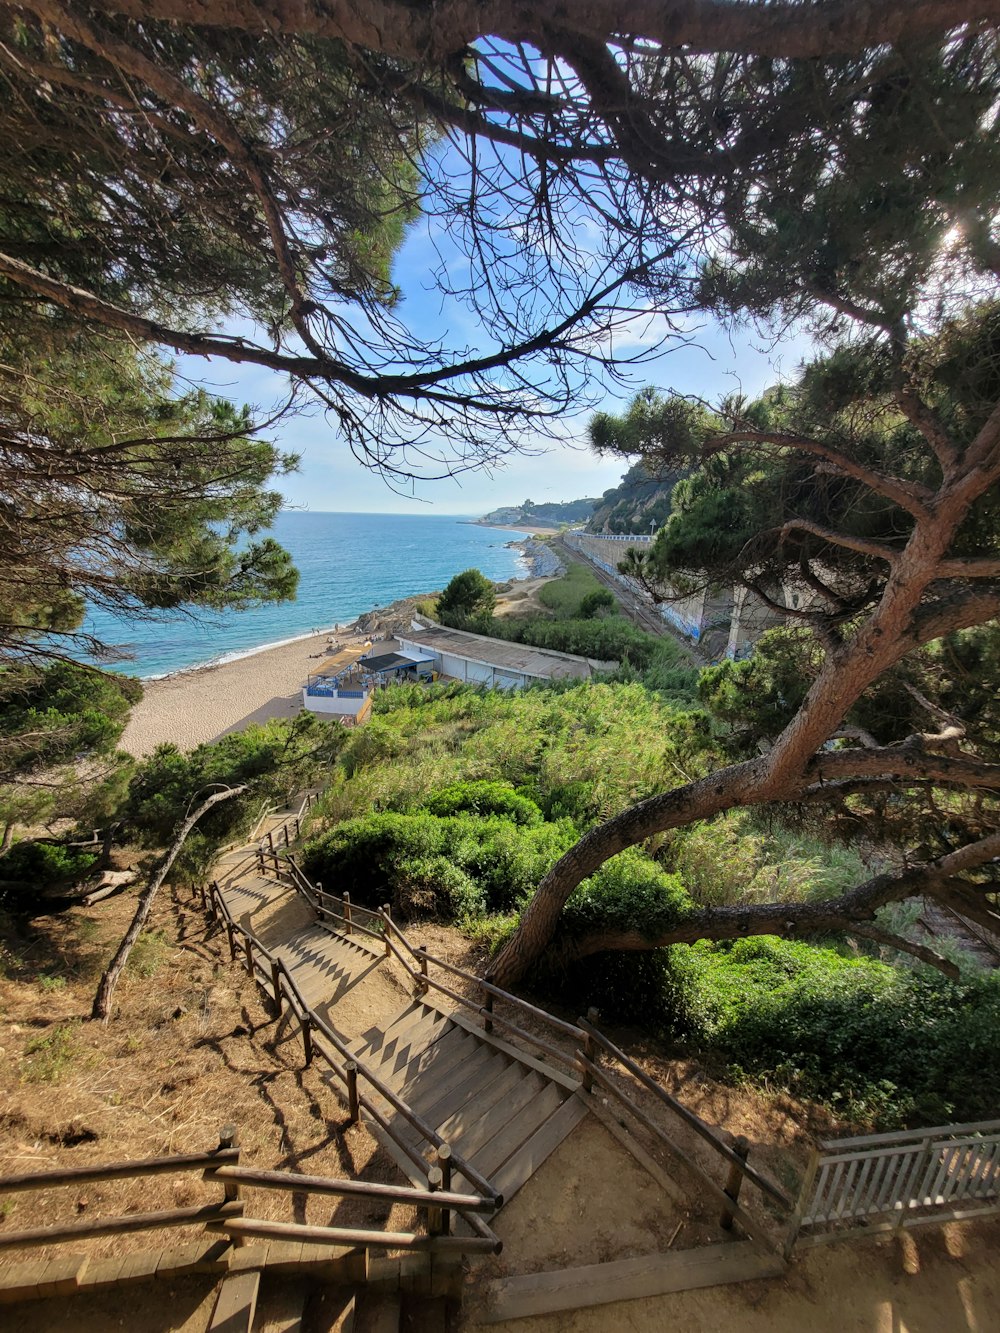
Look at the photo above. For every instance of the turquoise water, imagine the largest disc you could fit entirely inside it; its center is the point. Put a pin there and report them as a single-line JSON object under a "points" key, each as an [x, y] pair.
{"points": [[348, 564]]}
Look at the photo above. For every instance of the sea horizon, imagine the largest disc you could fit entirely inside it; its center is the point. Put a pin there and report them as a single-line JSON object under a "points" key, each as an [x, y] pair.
{"points": [[349, 563]]}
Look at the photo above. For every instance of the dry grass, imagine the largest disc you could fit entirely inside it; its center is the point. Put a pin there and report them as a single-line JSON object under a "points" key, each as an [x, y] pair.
{"points": [[190, 1047]]}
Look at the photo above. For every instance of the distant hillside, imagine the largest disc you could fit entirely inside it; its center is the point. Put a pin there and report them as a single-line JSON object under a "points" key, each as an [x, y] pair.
{"points": [[571, 511], [639, 501]]}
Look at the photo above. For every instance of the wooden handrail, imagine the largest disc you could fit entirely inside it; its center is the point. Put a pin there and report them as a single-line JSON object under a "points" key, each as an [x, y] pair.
{"points": [[114, 1226], [494, 1017], [752, 1228], [391, 1240], [306, 1014], [291, 1180], [148, 1166], [689, 1117]]}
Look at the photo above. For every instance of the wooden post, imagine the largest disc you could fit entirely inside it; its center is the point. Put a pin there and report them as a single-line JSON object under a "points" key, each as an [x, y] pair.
{"points": [[589, 1052], [260, 858], [351, 1070], [248, 950], [488, 1006], [276, 983], [270, 841], [229, 1138], [434, 1215], [347, 914], [741, 1147], [386, 918], [284, 829], [277, 865], [801, 1204], [298, 829], [421, 952], [307, 1040], [444, 1162], [232, 940]]}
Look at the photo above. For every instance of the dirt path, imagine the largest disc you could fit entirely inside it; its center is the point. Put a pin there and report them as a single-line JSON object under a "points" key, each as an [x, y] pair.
{"points": [[933, 1280]]}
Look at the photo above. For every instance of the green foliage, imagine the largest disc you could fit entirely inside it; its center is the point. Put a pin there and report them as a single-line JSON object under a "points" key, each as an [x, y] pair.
{"points": [[48, 1056], [735, 859], [484, 798], [149, 953], [454, 866], [468, 594], [565, 595], [41, 865], [877, 1043], [630, 892], [596, 602], [272, 760]]}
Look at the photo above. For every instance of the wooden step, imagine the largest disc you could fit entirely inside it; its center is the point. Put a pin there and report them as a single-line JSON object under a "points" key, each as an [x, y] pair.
{"points": [[236, 1303], [480, 1075], [522, 1165], [512, 1132], [424, 1047], [628, 1279], [378, 1312], [426, 1090], [281, 1305], [445, 1055], [473, 1129]]}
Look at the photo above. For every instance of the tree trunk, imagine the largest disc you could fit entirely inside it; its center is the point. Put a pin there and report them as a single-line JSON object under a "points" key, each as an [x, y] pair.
{"points": [[102, 999], [734, 786]]}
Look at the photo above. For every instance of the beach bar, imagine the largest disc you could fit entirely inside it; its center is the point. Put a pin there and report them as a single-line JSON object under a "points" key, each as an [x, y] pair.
{"points": [[344, 687]]}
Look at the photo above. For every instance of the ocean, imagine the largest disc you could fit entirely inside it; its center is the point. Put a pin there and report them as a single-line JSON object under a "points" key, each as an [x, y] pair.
{"points": [[347, 563]]}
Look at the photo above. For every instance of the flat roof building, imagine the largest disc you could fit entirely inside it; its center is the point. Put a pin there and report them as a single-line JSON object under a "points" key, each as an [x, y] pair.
{"points": [[494, 662]]}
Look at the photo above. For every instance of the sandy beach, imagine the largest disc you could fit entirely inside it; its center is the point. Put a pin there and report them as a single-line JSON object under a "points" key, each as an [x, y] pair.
{"points": [[207, 702]]}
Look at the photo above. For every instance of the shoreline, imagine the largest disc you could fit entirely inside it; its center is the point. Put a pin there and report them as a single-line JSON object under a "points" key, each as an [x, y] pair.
{"points": [[209, 700]]}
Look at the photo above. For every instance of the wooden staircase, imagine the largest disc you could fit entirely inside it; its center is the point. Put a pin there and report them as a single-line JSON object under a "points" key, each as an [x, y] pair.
{"points": [[500, 1109]]}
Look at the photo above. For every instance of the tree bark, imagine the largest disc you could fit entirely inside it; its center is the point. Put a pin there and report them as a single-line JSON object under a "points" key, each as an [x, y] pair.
{"points": [[105, 990]]}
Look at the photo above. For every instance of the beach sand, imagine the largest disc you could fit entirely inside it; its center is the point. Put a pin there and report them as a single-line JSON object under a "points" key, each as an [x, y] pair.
{"points": [[202, 704], [208, 702]]}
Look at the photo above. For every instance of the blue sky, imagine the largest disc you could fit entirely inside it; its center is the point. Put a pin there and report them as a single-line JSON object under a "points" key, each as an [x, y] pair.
{"points": [[330, 478]]}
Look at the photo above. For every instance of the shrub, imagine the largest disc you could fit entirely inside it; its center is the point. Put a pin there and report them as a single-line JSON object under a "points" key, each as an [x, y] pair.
{"points": [[397, 856], [629, 893], [875, 1042], [484, 798], [41, 864], [601, 599], [468, 594]]}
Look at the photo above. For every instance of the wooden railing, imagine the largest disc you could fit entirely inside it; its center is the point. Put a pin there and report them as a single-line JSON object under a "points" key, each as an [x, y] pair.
{"points": [[436, 1204], [890, 1181], [590, 1046], [227, 1209], [281, 836], [276, 981]]}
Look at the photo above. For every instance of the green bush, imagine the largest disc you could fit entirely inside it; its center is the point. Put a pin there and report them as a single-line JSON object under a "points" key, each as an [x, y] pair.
{"points": [[601, 599], [484, 798], [875, 1042], [41, 864], [397, 856], [628, 893], [565, 595]]}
